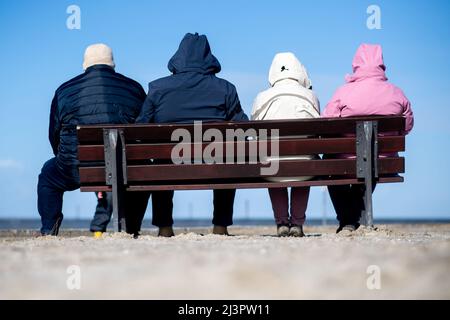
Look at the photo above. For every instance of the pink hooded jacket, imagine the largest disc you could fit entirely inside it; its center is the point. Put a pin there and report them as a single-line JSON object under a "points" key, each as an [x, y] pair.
{"points": [[367, 91]]}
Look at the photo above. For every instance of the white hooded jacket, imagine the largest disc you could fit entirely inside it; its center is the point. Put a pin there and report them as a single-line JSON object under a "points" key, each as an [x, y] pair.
{"points": [[289, 97]]}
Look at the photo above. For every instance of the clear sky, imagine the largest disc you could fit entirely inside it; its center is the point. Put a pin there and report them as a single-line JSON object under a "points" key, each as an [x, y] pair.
{"points": [[38, 53]]}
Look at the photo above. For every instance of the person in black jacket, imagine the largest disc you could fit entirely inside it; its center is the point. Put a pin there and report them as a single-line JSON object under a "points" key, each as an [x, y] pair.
{"points": [[98, 96], [192, 92]]}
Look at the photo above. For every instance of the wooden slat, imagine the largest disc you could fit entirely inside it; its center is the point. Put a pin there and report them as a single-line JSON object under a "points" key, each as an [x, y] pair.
{"points": [[90, 175], [91, 153], [93, 134], [287, 147], [240, 185], [258, 185], [143, 173], [286, 169], [95, 188]]}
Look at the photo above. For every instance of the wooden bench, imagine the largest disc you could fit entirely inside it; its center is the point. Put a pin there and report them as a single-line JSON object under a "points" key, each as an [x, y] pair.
{"points": [[117, 157]]}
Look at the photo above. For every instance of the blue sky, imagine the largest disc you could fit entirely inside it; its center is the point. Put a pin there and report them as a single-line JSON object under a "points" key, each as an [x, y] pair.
{"points": [[38, 53]]}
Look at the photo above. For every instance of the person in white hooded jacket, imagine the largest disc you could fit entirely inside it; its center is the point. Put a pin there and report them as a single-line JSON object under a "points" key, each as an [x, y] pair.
{"points": [[290, 96]]}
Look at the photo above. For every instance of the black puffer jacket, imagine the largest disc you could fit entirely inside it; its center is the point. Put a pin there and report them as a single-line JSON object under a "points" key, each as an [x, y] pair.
{"points": [[98, 96]]}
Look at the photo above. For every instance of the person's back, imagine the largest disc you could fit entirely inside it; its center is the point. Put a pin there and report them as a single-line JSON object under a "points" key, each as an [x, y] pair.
{"points": [[98, 96], [192, 92], [290, 96], [367, 91]]}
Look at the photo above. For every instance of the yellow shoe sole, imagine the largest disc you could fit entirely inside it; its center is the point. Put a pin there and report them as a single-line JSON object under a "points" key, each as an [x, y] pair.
{"points": [[98, 234]]}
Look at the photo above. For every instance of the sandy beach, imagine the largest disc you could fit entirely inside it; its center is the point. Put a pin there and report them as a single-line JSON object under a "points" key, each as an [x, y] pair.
{"points": [[412, 261]]}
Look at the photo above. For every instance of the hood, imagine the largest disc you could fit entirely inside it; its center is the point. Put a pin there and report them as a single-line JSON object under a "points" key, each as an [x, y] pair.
{"points": [[194, 55], [368, 63], [285, 65]]}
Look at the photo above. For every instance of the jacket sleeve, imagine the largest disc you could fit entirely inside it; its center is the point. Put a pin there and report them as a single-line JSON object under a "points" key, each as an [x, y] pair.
{"points": [[54, 125], [148, 109], [234, 108], [142, 96], [334, 107], [408, 114], [316, 103], [253, 115], [257, 107]]}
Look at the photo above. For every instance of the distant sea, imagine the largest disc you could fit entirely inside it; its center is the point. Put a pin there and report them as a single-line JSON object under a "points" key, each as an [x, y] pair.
{"points": [[189, 223]]}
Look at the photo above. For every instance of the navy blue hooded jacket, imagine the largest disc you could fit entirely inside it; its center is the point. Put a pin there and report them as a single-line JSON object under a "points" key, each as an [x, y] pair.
{"points": [[98, 96], [192, 92]]}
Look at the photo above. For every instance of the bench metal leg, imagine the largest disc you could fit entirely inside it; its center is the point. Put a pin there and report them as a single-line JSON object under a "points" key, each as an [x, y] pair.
{"points": [[114, 144], [367, 164], [367, 214]]}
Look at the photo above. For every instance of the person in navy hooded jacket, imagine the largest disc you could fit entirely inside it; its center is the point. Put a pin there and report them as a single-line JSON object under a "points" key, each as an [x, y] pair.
{"points": [[192, 93]]}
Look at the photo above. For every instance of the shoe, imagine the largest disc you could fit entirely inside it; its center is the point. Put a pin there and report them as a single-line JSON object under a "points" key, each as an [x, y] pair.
{"points": [[219, 230], [98, 234], [296, 231], [55, 230], [282, 230], [166, 232], [348, 228]]}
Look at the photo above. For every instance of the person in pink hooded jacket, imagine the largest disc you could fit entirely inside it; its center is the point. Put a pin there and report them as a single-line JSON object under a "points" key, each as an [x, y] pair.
{"points": [[366, 92]]}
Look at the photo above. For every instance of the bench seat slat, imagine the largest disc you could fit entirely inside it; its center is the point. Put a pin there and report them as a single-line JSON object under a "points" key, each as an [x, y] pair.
{"points": [[240, 185], [142, 173]]}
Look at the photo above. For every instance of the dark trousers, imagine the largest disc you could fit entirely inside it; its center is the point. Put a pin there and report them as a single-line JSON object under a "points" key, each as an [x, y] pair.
{"points": [[53, 181], [163, 208], [298, 204], [103, 212], [135, 205], [348, 202], [133, 208]]}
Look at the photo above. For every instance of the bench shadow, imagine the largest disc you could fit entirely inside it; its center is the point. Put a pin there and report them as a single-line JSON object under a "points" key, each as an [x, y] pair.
{"points": [[310, 235]]}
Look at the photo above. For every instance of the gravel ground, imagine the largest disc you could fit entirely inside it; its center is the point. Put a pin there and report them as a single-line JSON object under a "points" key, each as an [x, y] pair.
{"points": [[397, 261]]}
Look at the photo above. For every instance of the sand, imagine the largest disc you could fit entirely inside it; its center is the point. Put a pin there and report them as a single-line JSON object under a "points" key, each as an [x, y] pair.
{"points": [[410, 262]]}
